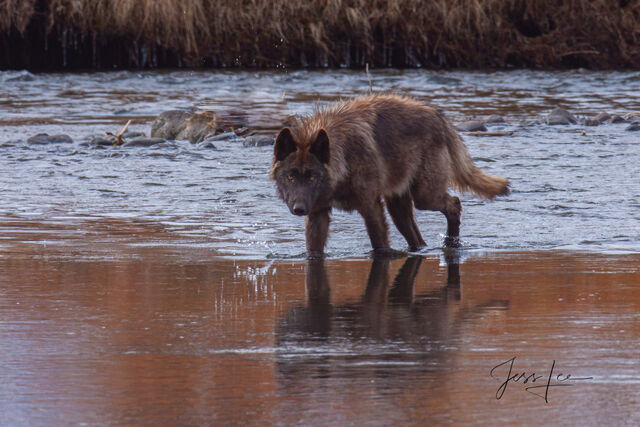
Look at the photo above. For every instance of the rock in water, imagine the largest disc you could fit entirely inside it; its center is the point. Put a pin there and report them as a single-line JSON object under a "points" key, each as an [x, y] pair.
{"points": [[133, 134], [102, 141], [45, 138], [258, 141], [635, 126], [560, 116], [178, 125], [472, 126], [207, 144], [168, 124], [494, 118], [603, 117], [221, 137]]}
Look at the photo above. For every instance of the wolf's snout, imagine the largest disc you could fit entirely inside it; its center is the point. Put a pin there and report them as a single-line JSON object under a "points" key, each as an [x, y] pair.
{"points": [[299, 209]]}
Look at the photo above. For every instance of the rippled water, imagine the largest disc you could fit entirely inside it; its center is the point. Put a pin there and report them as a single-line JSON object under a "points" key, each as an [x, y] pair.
{"points": [[574, 187]]}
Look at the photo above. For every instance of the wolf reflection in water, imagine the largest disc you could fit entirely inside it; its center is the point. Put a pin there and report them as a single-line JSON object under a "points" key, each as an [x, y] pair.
{"points": [[390, 333]]}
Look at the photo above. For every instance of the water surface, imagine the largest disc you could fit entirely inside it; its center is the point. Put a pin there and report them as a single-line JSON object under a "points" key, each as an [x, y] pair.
{"points": [[574, 187], [167, 285], [170, 337]]}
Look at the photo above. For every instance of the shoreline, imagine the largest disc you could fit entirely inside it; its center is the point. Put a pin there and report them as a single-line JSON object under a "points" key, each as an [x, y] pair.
{"points": [[467, 34]]}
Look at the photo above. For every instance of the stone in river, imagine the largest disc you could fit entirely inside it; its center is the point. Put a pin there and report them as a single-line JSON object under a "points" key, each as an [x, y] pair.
{"points": [[258, 141], [45, 138], [472, 126], [180, 125], [560, 116]]}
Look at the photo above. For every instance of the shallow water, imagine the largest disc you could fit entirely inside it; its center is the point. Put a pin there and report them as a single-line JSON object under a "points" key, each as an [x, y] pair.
{"points": [[574, 187], [166, 285], [175, 337]]}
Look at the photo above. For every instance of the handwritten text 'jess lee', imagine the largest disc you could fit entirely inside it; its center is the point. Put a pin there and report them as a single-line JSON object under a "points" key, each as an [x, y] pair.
{"points": [[551, 380]]}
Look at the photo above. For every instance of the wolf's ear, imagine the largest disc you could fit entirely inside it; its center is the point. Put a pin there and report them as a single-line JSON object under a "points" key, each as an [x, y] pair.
{"points": [[320, 147], [284, 145]]}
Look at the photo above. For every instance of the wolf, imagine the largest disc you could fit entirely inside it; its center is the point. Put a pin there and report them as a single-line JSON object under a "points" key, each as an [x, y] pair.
{"points": [[375, 151]]}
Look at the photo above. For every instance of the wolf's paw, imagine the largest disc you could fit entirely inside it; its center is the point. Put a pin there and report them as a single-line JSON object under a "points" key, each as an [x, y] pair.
{"points": [[452, 242], [311, 255], [388, 253]]}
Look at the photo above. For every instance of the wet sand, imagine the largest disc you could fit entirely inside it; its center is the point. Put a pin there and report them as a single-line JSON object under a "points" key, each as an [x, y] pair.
{"points": [[174, 335]]}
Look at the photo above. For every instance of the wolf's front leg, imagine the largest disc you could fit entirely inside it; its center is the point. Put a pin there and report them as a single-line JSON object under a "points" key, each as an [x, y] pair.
{"points": [[377, 227], [317, 230]]}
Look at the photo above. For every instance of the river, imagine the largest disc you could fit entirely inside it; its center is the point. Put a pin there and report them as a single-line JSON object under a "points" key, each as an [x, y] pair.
{"points": [[167, 284]]}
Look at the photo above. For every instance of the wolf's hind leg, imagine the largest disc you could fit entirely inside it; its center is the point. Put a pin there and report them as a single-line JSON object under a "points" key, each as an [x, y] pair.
{"points": [[453, 211], [449, 205], [317, 230], [401, 210]]}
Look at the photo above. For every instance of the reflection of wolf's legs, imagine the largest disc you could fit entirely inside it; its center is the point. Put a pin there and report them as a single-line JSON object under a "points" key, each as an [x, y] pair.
{"points": [[318, 288], [402, 289], [401, 210], [375, 292], [317, 230], [316, 319], [452, 258]]}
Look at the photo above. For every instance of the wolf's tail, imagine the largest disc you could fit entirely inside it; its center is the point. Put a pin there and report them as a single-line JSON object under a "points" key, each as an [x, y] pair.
{"points": [[466, 175]]}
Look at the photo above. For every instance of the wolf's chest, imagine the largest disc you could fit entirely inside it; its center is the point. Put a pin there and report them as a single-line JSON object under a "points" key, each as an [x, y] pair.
{"points": [[344, 198]]}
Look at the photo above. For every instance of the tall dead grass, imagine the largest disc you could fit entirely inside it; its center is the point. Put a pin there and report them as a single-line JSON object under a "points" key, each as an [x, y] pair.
{"points": [[447, 33]]}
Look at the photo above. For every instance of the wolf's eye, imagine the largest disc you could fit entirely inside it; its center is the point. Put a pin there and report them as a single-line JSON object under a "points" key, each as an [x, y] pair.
{"points": [[290, 178], [312, 178]]}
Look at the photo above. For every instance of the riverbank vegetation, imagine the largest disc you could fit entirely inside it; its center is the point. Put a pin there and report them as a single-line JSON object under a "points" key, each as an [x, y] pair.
{"points": [[57, 34]]}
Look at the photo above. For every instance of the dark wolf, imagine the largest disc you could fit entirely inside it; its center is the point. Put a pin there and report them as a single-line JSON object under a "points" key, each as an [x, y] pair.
{"points": [[371, 152]]}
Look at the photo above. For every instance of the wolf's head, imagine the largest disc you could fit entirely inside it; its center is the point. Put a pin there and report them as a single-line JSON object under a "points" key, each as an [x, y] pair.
{"points": [[300, 171]]}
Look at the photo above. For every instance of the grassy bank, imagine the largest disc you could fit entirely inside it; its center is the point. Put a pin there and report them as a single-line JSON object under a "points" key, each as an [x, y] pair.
{"points": [[319, 33]]}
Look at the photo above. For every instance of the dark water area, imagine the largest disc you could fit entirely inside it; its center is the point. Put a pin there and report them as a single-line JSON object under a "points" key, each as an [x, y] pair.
{"points": [[167, 285], [167, 338], [574, 187]]}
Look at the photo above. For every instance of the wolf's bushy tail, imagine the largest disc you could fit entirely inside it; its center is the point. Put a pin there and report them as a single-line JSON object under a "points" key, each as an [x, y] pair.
{"points": [[466, 175]]}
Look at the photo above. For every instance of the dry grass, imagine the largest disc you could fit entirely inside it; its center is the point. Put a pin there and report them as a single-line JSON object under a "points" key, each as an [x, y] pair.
{"points": [[451, 33]]}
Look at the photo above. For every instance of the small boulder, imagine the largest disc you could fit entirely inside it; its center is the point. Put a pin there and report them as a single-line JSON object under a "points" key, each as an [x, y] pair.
{"points": [[258, 141], [132, 134], [635, 126], [560, 116], [207, 145], [243, 131], [45, 138], [591, 122], [472, 126], [602, 117], [222, 137], [169, 123], [617, 119], [494, 118], [102, 141], [198, 127], [179, 125], [143, 142], [633, 116]]}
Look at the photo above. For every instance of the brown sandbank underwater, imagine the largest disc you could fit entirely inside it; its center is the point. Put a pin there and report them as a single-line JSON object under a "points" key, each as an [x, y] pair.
{"points": [[73, 34]]}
